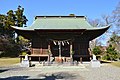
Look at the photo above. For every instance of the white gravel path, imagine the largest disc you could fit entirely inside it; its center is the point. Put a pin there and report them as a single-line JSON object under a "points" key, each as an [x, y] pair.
{"points": [[80, 72]]}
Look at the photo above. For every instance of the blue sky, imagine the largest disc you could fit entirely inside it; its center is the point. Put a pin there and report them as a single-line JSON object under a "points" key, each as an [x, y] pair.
{"points": [[90, 8]]}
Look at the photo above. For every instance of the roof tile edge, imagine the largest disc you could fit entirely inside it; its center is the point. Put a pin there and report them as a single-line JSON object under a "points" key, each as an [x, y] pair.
{"points": [[36, 17]]}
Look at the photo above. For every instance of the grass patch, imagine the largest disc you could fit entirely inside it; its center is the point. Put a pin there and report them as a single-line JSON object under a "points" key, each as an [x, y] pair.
{"points": [[116, 63], [8, 61]]}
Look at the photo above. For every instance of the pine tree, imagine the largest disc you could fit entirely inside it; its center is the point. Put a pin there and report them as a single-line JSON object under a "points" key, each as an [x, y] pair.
{"points": [[111, 53]]}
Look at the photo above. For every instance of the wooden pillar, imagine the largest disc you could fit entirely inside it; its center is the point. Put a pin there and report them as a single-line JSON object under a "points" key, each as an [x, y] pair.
{"points": [[48, 52], [41, 51], [59, 43], [71, 50], [39, 58]]}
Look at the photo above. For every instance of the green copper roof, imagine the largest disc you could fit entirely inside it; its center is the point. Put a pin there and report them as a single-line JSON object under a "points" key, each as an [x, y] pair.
{"points": [[59, 22]]}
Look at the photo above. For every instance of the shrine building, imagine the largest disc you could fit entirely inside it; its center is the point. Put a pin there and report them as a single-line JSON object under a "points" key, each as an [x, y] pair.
{"points": [[60, 36]]}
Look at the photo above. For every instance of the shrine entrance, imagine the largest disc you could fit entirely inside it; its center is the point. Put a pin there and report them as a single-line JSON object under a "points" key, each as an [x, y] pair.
{"points": [[60, 48], [65, 50]]}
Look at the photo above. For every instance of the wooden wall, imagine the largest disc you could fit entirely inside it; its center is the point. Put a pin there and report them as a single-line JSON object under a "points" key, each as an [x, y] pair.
{"points": [[80, 46], [39, 46]]}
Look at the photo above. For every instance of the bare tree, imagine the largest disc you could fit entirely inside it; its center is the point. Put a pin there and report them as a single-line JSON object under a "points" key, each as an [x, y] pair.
{"points": [[95, 22], [116, 16], [95, 42]]}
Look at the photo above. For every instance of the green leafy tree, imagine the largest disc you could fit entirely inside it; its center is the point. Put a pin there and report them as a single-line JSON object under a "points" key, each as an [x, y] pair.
{"points": [[12, 18], [23, 42], [2, 23], [96, 50], [20, 17], [9, 47], [111, 53], [115, 41]]}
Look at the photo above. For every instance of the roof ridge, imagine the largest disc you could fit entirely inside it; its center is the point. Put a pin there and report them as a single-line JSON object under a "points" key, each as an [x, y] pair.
{"points": [[36, 17]]}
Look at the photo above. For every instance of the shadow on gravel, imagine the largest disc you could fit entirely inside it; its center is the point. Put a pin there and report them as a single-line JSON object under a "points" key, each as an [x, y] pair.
{"points": [[54, 76], [59, 75], [105, 62], [15, 78], [3, 70]]}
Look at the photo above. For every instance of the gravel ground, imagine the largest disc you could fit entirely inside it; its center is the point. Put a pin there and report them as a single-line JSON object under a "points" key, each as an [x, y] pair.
{"points": [[60, 72]]}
